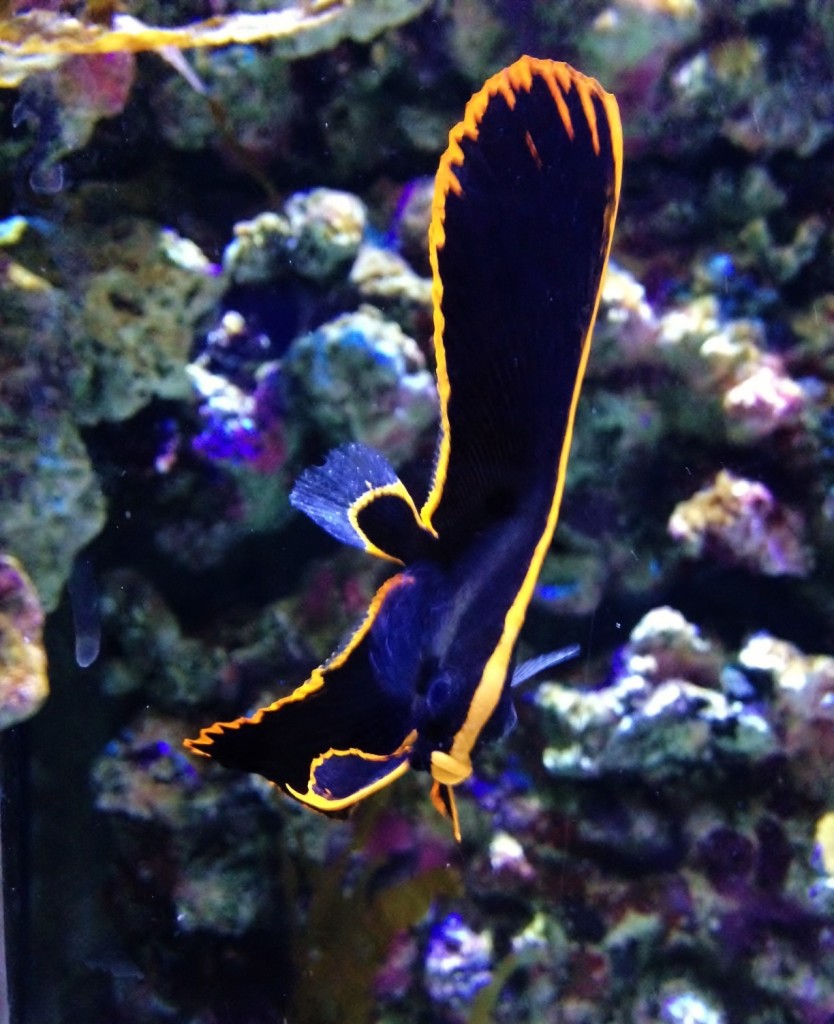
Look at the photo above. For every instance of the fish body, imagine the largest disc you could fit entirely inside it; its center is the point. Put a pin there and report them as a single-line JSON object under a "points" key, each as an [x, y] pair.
{"points": [[524, 206]]}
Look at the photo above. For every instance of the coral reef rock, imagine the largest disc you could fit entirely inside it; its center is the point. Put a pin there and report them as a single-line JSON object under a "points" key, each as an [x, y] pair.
{"points": [[739, 522], [359, 377], [23, 680]]}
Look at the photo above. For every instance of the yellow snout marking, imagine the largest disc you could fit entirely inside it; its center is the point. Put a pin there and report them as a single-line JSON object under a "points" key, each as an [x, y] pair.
{"points": [[449, 771]]}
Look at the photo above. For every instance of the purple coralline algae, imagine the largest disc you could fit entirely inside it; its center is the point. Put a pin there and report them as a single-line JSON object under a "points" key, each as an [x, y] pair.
{"points": [[458, 964], [62, 107], [758, 396], [242, 417], [659, 833], [411, 222], [24, 685], [739, 521]]}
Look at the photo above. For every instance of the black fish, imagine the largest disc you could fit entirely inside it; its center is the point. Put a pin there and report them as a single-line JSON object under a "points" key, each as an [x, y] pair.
{"points": [[524, 206]]}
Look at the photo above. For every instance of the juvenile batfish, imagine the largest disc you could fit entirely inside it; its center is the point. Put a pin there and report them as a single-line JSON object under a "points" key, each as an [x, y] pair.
{"points": [[524, 205]]}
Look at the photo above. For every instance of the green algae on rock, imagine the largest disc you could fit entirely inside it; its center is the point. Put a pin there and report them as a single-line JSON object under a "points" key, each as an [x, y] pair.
{"points": [[139, 308], [51, 503]]}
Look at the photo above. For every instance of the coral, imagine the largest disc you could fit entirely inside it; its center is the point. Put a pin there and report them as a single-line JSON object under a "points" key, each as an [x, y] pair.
{"points": [[675, 857], [815, 329], [148, 293], [316, 237], [661, 714], [783, 263], [41, 39], [658, 733], [51, 504], [802, 695], [478, 39], [214, 889], [325, 230], [780, 119], [219, 897], [653, 843], [739, 521], [765, 401], [738, 200], [663, 645], [244, 96], [628, 328], [63, 107], [147, 650], [758, 396], [359, 377], [458, 964], [51, 501], [410, 226], [678, 1003], [257, 253], [630, 45], [387, 282], [23, 680], [242, 402], [145, 776]]}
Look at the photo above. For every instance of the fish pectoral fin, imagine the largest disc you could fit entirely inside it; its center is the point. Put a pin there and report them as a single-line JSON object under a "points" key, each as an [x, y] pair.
{"points": [[341, 778], [536, 666], [357, 497]]}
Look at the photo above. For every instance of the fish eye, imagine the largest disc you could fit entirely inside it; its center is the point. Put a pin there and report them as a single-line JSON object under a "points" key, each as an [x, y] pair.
{"points": [[437, 696], [425, 677]]}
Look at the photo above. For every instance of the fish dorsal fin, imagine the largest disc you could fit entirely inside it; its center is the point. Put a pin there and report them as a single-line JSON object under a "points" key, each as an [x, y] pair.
{"points": [[535, 666], [357, 497]]}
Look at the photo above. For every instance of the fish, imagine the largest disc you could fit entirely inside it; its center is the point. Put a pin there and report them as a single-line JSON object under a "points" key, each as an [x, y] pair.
{"points": [[525, 200], [86, 614]]}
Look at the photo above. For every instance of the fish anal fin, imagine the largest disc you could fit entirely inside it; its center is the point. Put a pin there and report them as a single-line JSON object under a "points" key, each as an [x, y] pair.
{"points": [[339, 779]]}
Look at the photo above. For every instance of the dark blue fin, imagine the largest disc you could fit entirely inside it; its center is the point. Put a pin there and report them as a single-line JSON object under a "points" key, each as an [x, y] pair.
{"points": [[358, 498], [342, 708], [535, 666], [341, 778]]}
